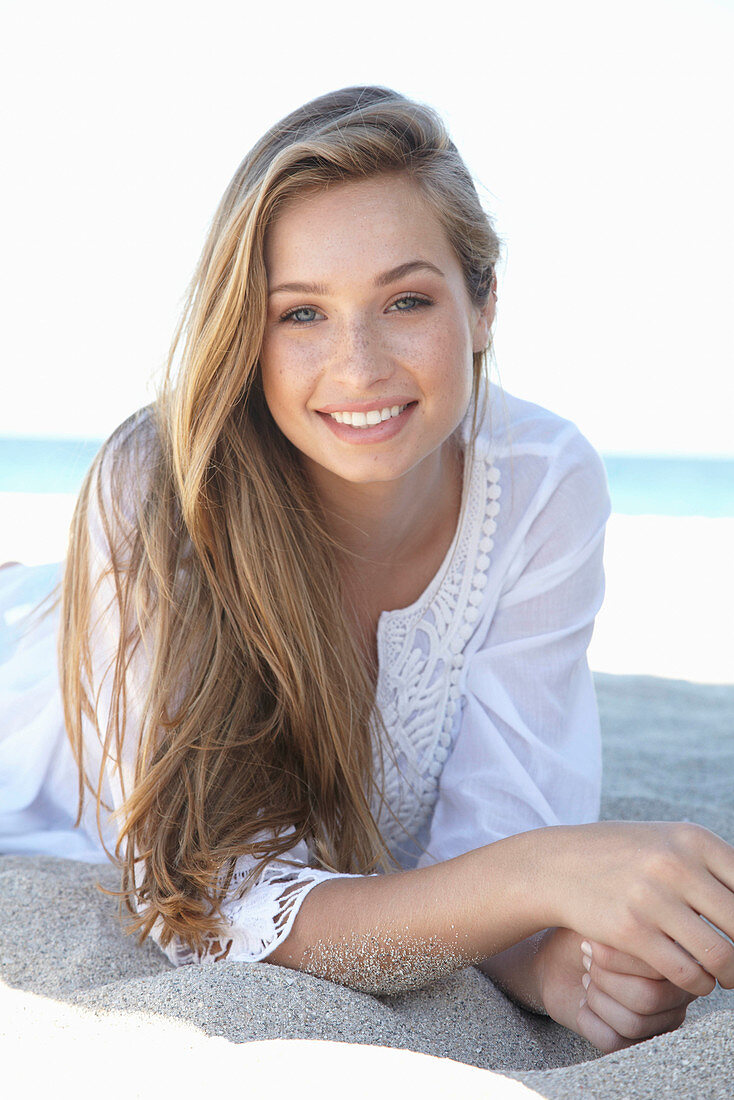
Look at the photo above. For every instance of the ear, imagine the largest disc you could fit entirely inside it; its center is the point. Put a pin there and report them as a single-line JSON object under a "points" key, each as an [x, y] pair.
{"points": [[485, 319]]}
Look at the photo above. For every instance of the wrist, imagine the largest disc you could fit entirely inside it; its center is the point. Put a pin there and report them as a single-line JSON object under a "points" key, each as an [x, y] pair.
{"points": [[541, 875], [547, 885]]}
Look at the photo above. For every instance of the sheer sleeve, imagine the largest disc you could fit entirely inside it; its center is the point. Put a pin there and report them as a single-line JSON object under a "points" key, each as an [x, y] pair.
{"points": [[256, 922], [257, 914], [527, 752]]}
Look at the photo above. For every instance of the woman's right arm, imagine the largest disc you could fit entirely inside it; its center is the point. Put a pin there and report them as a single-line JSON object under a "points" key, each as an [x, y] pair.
{"points": [[641, 888], [386, 933], [255, 919], [636, 887]]}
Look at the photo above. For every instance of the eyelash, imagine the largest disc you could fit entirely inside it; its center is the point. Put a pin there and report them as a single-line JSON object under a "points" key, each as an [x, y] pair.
{"points": [[418, 301]]}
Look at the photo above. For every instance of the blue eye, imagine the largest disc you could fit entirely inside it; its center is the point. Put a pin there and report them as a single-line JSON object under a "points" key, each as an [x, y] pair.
{"points": [[297, 315], [408, 303]]}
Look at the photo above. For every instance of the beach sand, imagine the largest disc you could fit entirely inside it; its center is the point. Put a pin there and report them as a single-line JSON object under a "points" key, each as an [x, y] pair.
{"points": [[81, 1002], [74, 988]]}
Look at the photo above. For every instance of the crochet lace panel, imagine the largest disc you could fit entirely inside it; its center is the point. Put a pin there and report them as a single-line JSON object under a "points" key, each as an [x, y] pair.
{"points": [[257, 920], [421, 658]]}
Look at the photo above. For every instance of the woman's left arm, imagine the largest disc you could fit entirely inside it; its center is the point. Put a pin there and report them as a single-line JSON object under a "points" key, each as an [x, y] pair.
{"points": [[528, 751]]}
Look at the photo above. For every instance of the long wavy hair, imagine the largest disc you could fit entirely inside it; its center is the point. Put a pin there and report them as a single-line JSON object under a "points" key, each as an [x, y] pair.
{"points": [[259, 714]]}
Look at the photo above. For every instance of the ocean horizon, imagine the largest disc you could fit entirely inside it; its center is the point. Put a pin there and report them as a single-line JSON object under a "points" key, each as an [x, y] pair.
{"points": [[661, 485]]}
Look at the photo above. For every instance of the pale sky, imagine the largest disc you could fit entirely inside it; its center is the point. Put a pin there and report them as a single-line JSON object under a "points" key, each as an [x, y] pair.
{"points": [[601, 135]]}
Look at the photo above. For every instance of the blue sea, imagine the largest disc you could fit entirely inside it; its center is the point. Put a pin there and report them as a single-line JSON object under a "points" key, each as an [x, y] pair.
{"points": [[639, 484]]}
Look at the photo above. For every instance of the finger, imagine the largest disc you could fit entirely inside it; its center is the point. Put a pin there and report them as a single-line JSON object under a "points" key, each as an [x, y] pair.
{"points": [[720, 859], [673, 961], [712, 951], [598, 1032], [611, 959], [711, 895], [628, 1024], [646, 996], [715, 904]]}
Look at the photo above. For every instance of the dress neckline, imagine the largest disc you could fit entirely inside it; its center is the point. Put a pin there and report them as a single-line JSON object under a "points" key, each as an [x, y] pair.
{"points": [[434, 585]]}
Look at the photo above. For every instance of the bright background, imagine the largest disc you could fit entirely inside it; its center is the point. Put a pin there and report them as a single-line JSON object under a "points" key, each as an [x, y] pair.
{"points": [[601, 135]]}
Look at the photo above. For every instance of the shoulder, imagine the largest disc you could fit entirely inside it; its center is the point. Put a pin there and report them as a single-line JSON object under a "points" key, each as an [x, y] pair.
{"points": [[136, 441], [552, 482], [126, 462], [536, 450], [514, 428], [124, 474]]}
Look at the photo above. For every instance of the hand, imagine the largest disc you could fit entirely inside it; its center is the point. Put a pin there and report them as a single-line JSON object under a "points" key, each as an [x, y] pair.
{"points": [[624, 1000], [643, 888]]}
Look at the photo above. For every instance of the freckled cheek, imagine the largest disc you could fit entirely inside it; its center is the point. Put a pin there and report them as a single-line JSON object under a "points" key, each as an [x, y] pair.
{"points": [[288, 376], [445, 360]]}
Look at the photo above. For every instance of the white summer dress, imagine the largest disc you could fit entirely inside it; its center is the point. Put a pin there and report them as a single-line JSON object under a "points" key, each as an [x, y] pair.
{"points": [[483, 683]]}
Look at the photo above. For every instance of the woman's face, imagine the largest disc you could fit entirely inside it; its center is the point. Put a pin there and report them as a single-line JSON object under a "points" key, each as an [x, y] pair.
{"points": [[367, 356]]}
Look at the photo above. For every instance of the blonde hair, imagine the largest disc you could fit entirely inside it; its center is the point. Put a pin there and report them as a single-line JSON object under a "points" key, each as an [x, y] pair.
{"points": [[259, 716]]}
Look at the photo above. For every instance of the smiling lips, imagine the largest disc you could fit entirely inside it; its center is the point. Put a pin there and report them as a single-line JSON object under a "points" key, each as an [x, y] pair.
{"points": [[370, 424]]}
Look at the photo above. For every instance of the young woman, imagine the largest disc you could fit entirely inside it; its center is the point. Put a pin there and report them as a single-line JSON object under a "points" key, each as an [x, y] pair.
{"points": [[325, 615]]}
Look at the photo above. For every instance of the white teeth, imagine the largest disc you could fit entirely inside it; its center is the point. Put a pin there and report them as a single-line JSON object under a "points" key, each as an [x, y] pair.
{"points": [[368, 419]]}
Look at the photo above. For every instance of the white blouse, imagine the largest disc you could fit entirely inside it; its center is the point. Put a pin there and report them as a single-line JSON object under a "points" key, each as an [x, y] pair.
{"points": [[483, 684]]}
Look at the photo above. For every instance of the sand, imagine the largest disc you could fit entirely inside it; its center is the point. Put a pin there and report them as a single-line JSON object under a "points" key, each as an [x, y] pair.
{"points": [[76, 995], [81, 1003]]}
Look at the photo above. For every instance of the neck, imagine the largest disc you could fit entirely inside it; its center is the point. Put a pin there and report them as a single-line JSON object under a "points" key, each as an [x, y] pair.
{"points": [[387, 523]]}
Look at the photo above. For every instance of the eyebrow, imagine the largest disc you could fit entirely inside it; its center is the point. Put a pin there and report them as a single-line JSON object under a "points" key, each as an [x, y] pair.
{"points": [[385, 279]]}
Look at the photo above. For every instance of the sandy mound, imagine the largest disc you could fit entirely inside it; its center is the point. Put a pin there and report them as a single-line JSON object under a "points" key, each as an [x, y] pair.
{"points": [[71, 979]]}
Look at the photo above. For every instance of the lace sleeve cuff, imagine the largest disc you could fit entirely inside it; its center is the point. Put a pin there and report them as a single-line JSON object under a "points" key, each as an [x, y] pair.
{"points": [[260, 919]]}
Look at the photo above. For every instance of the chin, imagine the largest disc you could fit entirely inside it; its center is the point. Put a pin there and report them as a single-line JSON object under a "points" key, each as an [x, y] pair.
{"points": [[368, 477]]}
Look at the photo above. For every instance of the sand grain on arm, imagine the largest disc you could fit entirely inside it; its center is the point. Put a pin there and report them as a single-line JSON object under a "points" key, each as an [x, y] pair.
{"points": [[382, 964]]}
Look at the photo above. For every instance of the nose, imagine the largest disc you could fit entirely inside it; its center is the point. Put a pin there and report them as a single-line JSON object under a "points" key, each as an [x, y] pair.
{"points": [[360, 358]]}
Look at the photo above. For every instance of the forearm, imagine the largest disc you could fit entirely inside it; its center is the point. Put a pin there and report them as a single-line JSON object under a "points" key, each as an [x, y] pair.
{"points": [[386, 933]]}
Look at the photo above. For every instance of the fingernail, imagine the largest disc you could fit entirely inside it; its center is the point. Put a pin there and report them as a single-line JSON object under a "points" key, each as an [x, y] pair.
{"points": [[582, 1002], [586, 961], [586, 948], [586, 981]]}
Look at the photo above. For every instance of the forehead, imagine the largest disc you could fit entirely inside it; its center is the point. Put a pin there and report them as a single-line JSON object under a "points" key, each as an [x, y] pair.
{"points": [[377, 223]]}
